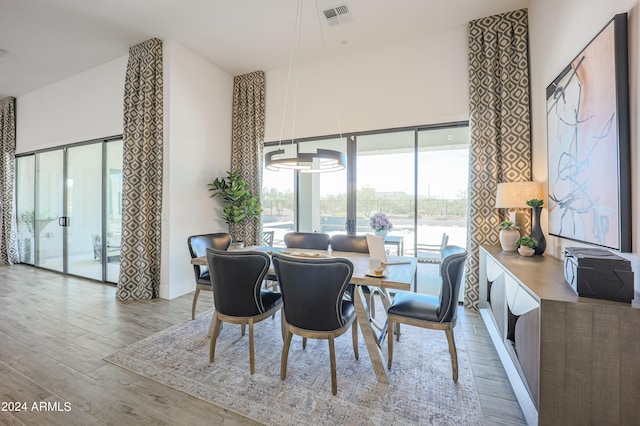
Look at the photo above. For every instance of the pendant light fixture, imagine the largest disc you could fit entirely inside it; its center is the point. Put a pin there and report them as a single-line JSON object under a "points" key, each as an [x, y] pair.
{"points": [[323, 160]]}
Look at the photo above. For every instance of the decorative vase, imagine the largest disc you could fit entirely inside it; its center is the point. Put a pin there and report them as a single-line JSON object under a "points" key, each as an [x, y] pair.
{"points": [[382, 233], [508, 239], [526, 251], [536, 231]]}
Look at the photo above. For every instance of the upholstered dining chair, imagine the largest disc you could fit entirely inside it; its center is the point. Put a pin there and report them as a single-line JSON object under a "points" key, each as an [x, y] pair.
{"points": [[198, 244], [307, 240], [357, 244], [427, 311], [314, 307], [237, 290]]}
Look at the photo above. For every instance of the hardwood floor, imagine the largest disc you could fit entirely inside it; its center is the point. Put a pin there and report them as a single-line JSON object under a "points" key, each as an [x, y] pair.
{"points": [[55, 331]]}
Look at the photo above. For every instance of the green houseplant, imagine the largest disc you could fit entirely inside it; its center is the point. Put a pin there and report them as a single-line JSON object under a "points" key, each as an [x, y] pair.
{"points": [[238, 201], [526, 245]]}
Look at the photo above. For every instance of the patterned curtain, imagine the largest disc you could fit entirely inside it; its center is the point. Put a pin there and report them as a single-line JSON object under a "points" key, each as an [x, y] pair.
{"points": [[8, 235], [142, 174], [500, 126], [246, 143]]}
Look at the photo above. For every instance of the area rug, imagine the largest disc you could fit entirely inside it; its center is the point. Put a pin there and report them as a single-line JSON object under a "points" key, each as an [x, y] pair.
{"points": [[420, 390]]}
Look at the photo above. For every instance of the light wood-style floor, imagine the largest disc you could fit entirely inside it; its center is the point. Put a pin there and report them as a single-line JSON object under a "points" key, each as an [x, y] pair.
{"points": [[55, 331]]}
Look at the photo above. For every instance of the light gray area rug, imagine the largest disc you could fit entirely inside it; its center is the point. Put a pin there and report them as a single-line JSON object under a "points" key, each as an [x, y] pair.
{"points": [[420, 389]]}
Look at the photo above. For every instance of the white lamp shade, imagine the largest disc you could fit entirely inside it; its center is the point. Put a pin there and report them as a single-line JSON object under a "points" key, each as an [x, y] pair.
{"points": [[512, 195]]}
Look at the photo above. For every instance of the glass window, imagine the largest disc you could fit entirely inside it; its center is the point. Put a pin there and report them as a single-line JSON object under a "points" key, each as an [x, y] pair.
{"points": [[278, 201], [386, 183], [417, 176], [25, 207]]}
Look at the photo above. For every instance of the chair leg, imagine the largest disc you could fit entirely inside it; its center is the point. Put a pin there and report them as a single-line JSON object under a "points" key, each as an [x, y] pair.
{"points": [[332, 355], [454, 354], [252, 365], [304, 343], [214, 336], [390, 341], [193, 305], [354, 331], [283, 324], [285, 354], [243, 327]]}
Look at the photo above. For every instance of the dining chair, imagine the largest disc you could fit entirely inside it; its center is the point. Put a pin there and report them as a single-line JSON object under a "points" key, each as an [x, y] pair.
{"points": [[434, 312], [198, 244], [314, 306], [357, 244], [267, 238], [307, 240], [237, 290], [432, 253]]}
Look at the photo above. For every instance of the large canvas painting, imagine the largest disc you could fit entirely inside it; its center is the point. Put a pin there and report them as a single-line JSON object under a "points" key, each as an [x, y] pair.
{"points": [[588, 143]]}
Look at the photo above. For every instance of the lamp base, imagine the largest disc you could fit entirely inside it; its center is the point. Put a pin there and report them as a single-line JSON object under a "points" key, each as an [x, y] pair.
{"points": [[517, 218]]}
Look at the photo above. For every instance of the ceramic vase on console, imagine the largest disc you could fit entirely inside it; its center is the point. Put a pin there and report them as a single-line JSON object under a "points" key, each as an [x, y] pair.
{"points": [[526, 251], [508, 238], [382, 233], [536, 231]]}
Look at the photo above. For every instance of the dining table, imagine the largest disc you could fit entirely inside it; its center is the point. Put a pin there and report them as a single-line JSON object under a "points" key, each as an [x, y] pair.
{"points": [[400, 276]]}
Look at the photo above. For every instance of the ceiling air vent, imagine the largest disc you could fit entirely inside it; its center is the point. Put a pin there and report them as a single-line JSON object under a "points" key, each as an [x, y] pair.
{"points": [[337, 15]]}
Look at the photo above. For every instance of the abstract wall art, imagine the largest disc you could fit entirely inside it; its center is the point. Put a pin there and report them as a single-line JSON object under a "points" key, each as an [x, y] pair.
{"points": [[589, 143]]}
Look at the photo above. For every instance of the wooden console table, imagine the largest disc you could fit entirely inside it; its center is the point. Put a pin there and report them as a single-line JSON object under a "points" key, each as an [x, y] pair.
{"points": [[571, 360]]}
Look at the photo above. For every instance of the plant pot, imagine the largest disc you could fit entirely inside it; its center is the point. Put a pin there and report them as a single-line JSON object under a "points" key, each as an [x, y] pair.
{"points": [[526, 251], [382, 233], [236, 245], [508, 239]]}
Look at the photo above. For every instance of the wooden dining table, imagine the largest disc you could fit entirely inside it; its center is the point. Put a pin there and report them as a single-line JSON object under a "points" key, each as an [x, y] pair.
{"points": [[397, 277]]}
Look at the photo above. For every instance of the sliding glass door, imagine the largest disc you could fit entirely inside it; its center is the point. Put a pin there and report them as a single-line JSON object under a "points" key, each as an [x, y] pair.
{"points": [[386, 181], [418, 176], [69, 209], [49, 210], [442, 186], [84, 210]]}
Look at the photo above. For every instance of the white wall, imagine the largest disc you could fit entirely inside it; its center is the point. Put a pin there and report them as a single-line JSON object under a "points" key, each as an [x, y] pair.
{"points": [[419, 81], [197, 107], [558, 31], [83, 107]]}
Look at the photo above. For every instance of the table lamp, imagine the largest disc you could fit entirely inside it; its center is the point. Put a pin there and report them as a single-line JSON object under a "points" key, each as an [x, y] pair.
{"points": [[514, 195]]}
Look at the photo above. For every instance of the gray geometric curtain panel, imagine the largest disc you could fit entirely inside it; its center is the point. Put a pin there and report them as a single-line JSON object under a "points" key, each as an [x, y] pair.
{"points": [[8, 227], [499, 121], [247, 140], [142, 174]]}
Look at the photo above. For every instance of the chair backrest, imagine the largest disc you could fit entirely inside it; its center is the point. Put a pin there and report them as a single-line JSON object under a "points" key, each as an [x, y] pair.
{"points": [[445, 241], [267, 238], [307, 240], [353, 243], [237, 281], [198, 245], [451, 270], [312, 290]]}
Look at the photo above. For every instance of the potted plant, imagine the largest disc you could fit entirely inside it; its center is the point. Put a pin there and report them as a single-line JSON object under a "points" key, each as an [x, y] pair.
{"points": [[238, 202], [509, 233], [527, 245], [380, 223], [536, 229]]}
